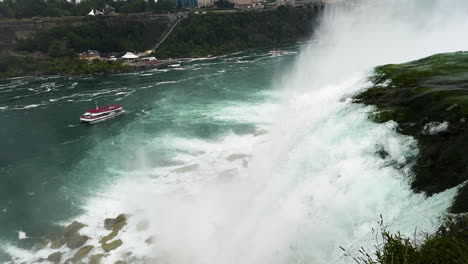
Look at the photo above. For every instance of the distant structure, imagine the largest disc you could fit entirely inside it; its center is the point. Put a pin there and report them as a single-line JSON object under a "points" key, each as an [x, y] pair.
{"points": [[204, 3], [246, 4], [184, 3], [109, 11], [90, 55]]}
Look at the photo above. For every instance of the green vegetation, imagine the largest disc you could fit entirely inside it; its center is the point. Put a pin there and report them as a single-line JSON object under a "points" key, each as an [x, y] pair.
{"points": [[422, 94], [57, 8], [101, 35], [447, 246], [14, 66], [211, 33]]}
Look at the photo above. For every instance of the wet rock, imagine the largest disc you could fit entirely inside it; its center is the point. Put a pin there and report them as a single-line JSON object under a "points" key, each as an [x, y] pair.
{"points": [[197, 153], [147, 260], [109, 237], [112, 245], [55, 257], [187, 168], [149, 240], [229, 174], [95, 259], [41, 245], [142, 225], [119, 226], [80, 254], [109, 223], [58, 242], [121, 218], [234, 157], [260, 132], [76, 241], [72, 229], [120, 262]]}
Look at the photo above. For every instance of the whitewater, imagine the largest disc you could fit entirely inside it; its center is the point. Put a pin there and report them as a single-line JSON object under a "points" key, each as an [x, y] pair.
{"points": [[308, 179]]}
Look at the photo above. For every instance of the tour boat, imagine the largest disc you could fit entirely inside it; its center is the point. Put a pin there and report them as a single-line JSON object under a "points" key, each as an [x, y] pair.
{"points": [[102, 113]]}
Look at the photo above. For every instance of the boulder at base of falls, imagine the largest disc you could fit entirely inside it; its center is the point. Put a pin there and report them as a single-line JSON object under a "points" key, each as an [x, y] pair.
{"points": [[109, 236], [142, 225], [80, 254], [229, 174], [260, 132], [234, 157], [112, 245], [55, 257], [187, 168], [95, 259], [76, 241], [41, 245], [58, 242], [149, 240], [120, 262], [72, 229], [109, 223]]}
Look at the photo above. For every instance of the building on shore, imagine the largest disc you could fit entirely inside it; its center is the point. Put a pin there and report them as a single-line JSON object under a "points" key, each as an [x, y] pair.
{"points": [[184, 3], [204, 3], [245, 4], [90, 55]]}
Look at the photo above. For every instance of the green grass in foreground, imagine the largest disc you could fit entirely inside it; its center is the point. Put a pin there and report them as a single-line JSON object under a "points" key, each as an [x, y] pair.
{"points": [[447, 246]]}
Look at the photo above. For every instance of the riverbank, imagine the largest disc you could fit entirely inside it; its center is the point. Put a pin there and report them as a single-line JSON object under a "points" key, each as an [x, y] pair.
{"points": [[15, 65], [53, 51]]}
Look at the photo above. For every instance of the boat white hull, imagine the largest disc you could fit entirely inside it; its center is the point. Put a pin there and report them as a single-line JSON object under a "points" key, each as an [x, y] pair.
{"points": [[103, 118]]}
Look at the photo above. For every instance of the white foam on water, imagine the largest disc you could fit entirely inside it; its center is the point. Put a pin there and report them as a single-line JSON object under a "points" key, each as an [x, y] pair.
{"points": [[30, 106]]}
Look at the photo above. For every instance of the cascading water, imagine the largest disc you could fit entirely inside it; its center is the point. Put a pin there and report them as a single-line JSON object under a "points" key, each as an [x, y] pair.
{"points": [[315, 181]]}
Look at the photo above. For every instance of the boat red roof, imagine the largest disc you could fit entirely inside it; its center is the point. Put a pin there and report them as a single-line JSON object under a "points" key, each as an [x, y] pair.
{"points": [[104, 109]]}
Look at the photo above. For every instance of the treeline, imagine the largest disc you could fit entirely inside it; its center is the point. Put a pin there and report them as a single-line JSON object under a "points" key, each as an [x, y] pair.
{"points": [[14, 66], [104, 36], [10, 9], [214, 34]]}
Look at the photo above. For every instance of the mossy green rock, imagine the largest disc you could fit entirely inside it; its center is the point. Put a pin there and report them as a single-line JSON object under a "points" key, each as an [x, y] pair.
{"points": [[109, 236], [112, 245], [142, 225], [76, 241], [72, 229], [149, 240], [41, 245], [120, 262], [95, 259], [55, 257], [118, 226], [110, 223], [418, 95], [58, 242], [80, 254], [121, 218]]}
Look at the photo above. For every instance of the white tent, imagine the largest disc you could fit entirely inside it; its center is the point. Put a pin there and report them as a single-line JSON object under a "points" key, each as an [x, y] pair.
{"points": [[99, 13], [91, 13], [129, 55]]}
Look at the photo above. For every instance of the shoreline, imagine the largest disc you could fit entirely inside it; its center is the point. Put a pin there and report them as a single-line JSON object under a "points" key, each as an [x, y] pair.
{"points": [[142, 65]]}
